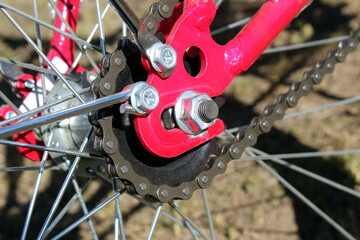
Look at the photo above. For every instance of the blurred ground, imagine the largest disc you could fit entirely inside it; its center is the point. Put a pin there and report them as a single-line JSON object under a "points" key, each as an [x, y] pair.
{"points": [[246, 202]]}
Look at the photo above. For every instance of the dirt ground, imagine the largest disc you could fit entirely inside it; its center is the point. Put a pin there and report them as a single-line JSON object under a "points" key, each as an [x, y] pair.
{"points": [[246, 202]]}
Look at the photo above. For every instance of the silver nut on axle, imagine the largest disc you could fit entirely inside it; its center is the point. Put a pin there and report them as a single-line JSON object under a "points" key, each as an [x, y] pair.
{"points": [[162, 57], [143, 99], [195, 112]]}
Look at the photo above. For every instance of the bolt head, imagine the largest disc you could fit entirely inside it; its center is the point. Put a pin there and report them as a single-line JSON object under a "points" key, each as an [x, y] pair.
{"points": [[162, 57], [118, 61], [29, 83], [110, 144], [221, 165]]}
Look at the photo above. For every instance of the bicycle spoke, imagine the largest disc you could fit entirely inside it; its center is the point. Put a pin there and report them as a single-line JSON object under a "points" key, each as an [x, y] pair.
{"points": [[305, 200], [24, 169], [9, 102], [64, 186], [36, 68], [82, 49], [75, 224], [191, 230], [101, 30], [43, 56], [50, 149], [65, 113], [39, 44], [64, 210], [31, 113], [35, 192], [173, 204], [239, 23], [208, 214], [84, 207], [300, 155], [89, 38], [308, 111], [305, 45], [49, 26], [153, 224], [118, 221], [323, 107], [309, 174]]}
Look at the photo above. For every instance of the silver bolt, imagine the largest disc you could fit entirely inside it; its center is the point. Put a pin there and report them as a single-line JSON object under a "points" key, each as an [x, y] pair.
{"points": [[124, 169], [149, 98], [143, 186], [10, 114], [110, 144], [166, 8], [107, 86], [221, 165], [29, 84], [205, 179], [162, 57], [186, 191], [118, 61], [165, 193]]}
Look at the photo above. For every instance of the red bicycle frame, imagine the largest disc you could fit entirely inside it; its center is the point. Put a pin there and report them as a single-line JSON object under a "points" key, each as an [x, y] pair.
{"points": [[219, 65]]}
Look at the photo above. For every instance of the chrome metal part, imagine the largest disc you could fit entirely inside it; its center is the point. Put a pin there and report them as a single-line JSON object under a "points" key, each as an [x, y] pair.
{"points": [[162, 57], [190, 113], [144, 98]]}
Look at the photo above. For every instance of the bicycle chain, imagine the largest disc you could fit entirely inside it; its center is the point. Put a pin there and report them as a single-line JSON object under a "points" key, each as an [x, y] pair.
{"points": [[113, 65]]}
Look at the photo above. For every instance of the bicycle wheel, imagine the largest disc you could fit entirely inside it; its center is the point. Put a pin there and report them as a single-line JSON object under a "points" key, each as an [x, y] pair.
{"points": [[246, 201]]}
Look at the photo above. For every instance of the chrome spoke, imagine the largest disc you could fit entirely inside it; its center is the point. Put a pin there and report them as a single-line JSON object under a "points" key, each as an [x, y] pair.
{"points": [[75, 224], [305, 45], [309, 174], [174, 205], [36, 68], [50, 149], [64, 186], [323, 107], [35, 192], [308, 111], [9, 102], [68, 27], [24, 169], [88, 40], [43, 56], [300, 155], [84, 207], [304, 199], [49, 26], [39, 44], [208, 213], [148, 204], [153, 224], [64, 210], [33, 112], [118, 221], [65, 113], [231, 26], [101, 30]]}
